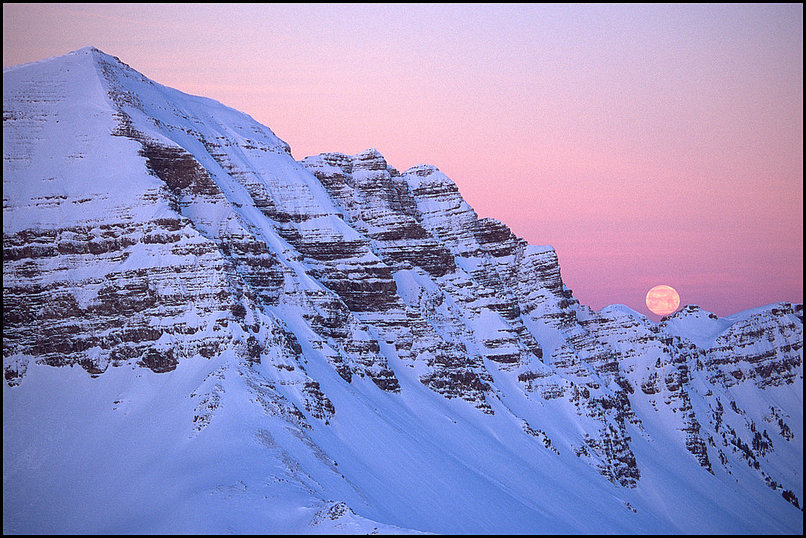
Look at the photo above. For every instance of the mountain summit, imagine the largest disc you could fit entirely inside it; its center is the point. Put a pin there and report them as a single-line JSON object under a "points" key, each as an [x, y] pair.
{"points": [[203, 335]]}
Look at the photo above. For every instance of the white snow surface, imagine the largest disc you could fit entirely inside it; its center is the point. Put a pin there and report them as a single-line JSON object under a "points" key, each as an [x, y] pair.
{"points": [[121, 452]]}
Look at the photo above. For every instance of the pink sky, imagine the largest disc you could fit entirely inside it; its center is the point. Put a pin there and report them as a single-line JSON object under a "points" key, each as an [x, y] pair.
{"points": [[648, 144]]}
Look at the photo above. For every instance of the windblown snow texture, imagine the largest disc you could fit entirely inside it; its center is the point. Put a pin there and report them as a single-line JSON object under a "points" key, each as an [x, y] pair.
{"points": [[203, 335]]}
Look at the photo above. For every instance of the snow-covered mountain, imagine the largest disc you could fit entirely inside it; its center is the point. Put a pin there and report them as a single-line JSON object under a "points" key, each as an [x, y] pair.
{"points": [[203, 335]]}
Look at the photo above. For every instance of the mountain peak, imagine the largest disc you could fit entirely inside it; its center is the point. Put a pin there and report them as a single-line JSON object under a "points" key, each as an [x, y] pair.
{"points": [[98, 55], [90, 51], [192, 318], [87, 50], [421, 170]]}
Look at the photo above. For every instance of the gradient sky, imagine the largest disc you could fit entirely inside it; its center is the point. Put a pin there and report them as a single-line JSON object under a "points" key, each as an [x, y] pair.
{"points": [[649, 144]]}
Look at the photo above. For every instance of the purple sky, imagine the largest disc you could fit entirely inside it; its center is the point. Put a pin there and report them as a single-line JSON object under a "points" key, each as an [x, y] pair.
{"points": [[649, 144]]}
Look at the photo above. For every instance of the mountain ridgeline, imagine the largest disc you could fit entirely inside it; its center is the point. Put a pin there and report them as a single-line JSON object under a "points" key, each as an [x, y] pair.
{"points": [[207, 335]]}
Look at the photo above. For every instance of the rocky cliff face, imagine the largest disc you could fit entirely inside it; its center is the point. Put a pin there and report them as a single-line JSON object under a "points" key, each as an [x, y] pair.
{"points": [[145, 228]]}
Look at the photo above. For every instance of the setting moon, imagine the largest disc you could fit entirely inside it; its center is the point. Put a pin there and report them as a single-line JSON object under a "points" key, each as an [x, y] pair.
{"points": [[662, 300]]}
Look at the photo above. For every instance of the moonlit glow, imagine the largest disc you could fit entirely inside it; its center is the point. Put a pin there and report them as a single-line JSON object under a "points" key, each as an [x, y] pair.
{"points": [[662, 300]]}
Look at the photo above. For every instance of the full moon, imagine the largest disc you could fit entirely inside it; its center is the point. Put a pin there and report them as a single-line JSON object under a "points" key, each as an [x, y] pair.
{"points": [[662, 300]]}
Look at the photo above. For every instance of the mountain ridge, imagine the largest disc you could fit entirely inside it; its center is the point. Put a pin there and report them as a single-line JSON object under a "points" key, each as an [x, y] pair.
{"points": [[359, 320]]}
